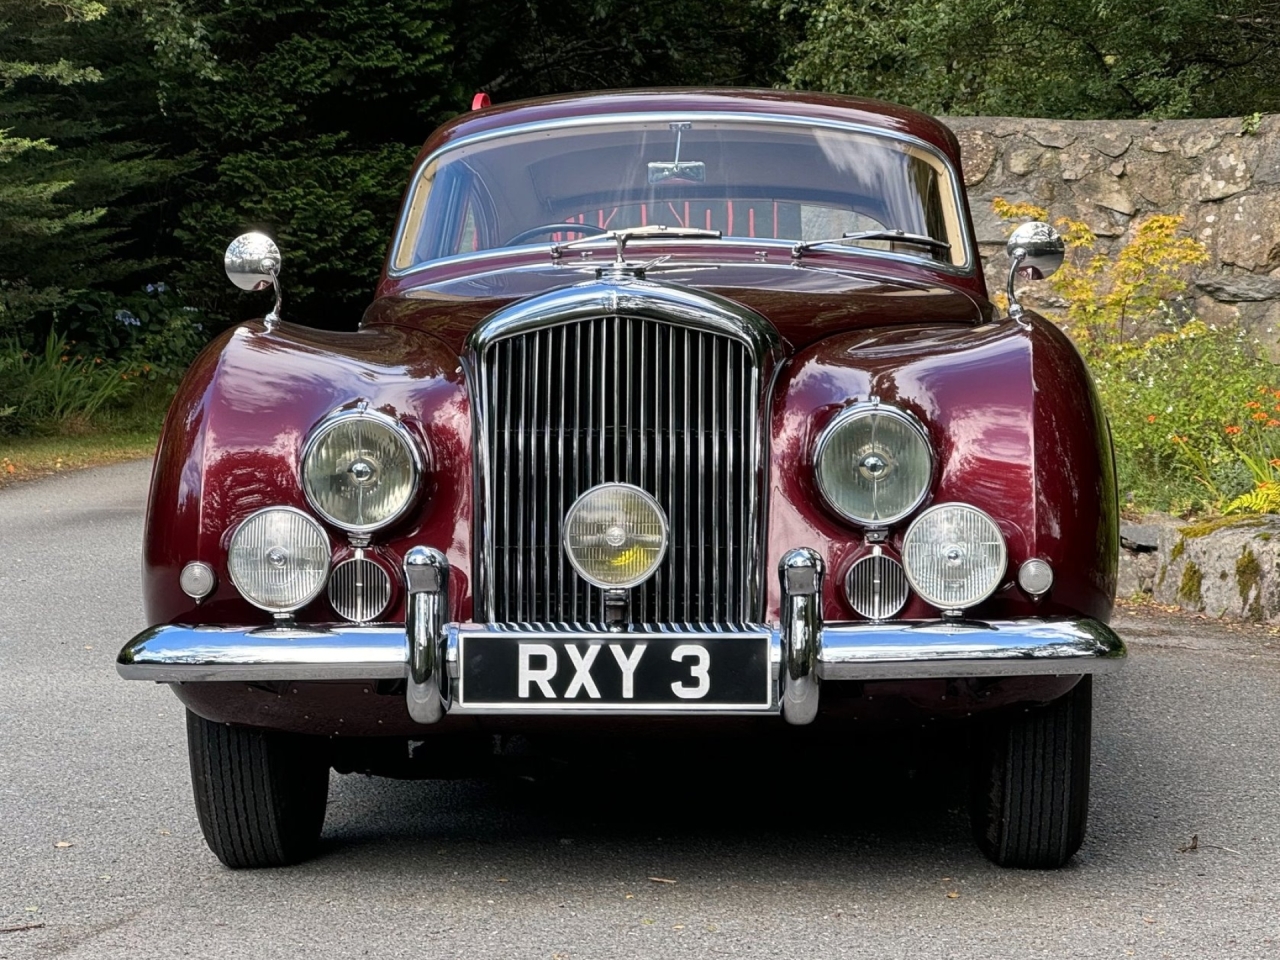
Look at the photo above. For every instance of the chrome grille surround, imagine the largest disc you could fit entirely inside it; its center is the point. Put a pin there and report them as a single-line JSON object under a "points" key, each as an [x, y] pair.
{"points": [[359, 589], [621, 380], [876, 586]]}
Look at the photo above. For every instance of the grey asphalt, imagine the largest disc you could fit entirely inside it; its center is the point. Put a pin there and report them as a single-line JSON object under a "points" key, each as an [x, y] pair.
{"points": [[854, 853]]}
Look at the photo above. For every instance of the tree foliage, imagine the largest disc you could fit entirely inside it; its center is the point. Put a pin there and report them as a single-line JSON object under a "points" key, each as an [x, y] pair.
{"points": [[304, 117], [29, 207], [1067, 59]]}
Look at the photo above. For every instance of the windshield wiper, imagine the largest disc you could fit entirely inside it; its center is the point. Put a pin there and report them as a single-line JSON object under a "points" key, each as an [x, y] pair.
{"points": [[895, 236], [655, 231]]}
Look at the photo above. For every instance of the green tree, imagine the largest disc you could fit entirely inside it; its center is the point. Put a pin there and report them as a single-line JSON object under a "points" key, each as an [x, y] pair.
{"points": [[31, 185], [305, 117], [526, 48], [1069, 59]]}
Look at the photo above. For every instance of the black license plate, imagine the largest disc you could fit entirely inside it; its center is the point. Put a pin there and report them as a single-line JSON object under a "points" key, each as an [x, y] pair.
{"points": [[642, 672]]}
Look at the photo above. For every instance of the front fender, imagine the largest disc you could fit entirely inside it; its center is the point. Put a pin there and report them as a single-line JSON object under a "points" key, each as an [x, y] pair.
{"points": [[1018, 432], [232, 444]]}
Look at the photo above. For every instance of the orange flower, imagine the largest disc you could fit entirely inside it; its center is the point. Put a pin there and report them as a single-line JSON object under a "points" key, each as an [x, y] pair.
{"points": [[1234, 430], [1273, 423], [1151, 418], [1253, 405], [1261, 416], [1274, 462]]}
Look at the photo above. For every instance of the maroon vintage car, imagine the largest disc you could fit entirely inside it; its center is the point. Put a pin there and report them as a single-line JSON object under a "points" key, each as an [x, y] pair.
{"points": [[674, 409]]}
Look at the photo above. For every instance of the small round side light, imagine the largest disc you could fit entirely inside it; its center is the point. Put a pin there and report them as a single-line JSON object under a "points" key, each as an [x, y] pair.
{"points": [[197, 580], [1035, 577]]}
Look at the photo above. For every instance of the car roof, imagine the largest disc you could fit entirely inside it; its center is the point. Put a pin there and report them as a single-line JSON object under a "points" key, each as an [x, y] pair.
{"points": [[875, 114]]}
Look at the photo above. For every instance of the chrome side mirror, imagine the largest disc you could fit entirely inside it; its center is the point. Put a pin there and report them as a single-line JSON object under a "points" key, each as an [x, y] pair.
{"points": [[252, 262], [1035, 251]]}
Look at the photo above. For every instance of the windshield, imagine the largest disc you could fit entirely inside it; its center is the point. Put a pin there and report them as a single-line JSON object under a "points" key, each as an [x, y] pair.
{"points": [[747, 178]]}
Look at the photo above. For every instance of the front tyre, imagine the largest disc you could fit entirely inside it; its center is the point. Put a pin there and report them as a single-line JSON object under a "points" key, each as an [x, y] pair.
{"points": [[260, 795], [1030, 788]]}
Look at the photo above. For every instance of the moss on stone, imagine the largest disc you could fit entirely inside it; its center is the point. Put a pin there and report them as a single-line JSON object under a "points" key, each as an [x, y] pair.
{"points": [[1248, 574], [1178, 549], [1197, 530], [1190, 590], [1164, 569], [1264, 537]]}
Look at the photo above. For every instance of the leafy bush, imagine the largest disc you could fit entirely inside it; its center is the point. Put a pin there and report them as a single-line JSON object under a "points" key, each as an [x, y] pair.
{"points": [[152, 331], [56, 390], [1170, 401], [91, 371], [1182, 396]]}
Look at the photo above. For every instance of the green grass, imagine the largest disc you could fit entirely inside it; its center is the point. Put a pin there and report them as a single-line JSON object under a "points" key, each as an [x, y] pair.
{"points": [[28, 458], [113, 436]]}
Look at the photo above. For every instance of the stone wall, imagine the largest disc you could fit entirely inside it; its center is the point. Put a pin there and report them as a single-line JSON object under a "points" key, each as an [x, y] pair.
{"points": [[1112, 174]]}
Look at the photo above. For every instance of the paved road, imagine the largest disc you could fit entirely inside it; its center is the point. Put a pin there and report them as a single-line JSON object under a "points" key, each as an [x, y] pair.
{"points": [[797, 856]]}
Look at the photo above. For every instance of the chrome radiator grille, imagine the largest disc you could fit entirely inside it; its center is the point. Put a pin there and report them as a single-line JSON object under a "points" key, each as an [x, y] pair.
{"points": [[667, 407]]}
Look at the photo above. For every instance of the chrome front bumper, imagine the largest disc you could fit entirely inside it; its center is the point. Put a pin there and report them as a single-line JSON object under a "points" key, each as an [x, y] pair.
{"points": [[804, 650]]}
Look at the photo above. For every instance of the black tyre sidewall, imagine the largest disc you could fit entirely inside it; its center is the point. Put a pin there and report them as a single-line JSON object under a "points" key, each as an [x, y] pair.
{"points": [[1029, 795], [260, 795]]}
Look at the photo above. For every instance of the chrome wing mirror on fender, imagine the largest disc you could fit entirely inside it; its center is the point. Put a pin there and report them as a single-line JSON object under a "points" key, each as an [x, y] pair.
{"points": [[1035, 251], [252, 262]]}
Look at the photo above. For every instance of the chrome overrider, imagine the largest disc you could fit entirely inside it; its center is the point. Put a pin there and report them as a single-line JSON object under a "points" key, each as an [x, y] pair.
{"points": [[805, 650]]}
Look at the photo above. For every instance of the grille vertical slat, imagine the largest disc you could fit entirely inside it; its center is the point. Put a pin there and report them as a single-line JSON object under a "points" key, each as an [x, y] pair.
{"points": [[671, 409]]}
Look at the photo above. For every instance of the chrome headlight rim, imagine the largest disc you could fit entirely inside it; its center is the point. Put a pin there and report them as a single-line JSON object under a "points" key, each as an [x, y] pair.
{"points": [[322, 582], [580, 502], [329, 423], [1003, 565], [857, 411]]}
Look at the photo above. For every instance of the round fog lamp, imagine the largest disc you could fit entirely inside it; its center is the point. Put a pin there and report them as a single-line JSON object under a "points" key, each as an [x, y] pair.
{"points": [[615, 535], [279, 559], [954, 555], [360, 470]]}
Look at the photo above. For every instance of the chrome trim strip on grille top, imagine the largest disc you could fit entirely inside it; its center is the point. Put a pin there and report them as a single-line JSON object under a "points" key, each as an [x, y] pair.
{"points": [[596, 333]]}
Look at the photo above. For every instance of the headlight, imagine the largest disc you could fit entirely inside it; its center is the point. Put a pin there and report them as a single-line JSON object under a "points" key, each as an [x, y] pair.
{"points": [[278, 559], [874, 464], [954, 555], [360, 470], [615, 535]]}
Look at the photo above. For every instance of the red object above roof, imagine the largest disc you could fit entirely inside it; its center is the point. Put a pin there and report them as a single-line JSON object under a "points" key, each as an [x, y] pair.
{"points": [[480, 101]]}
